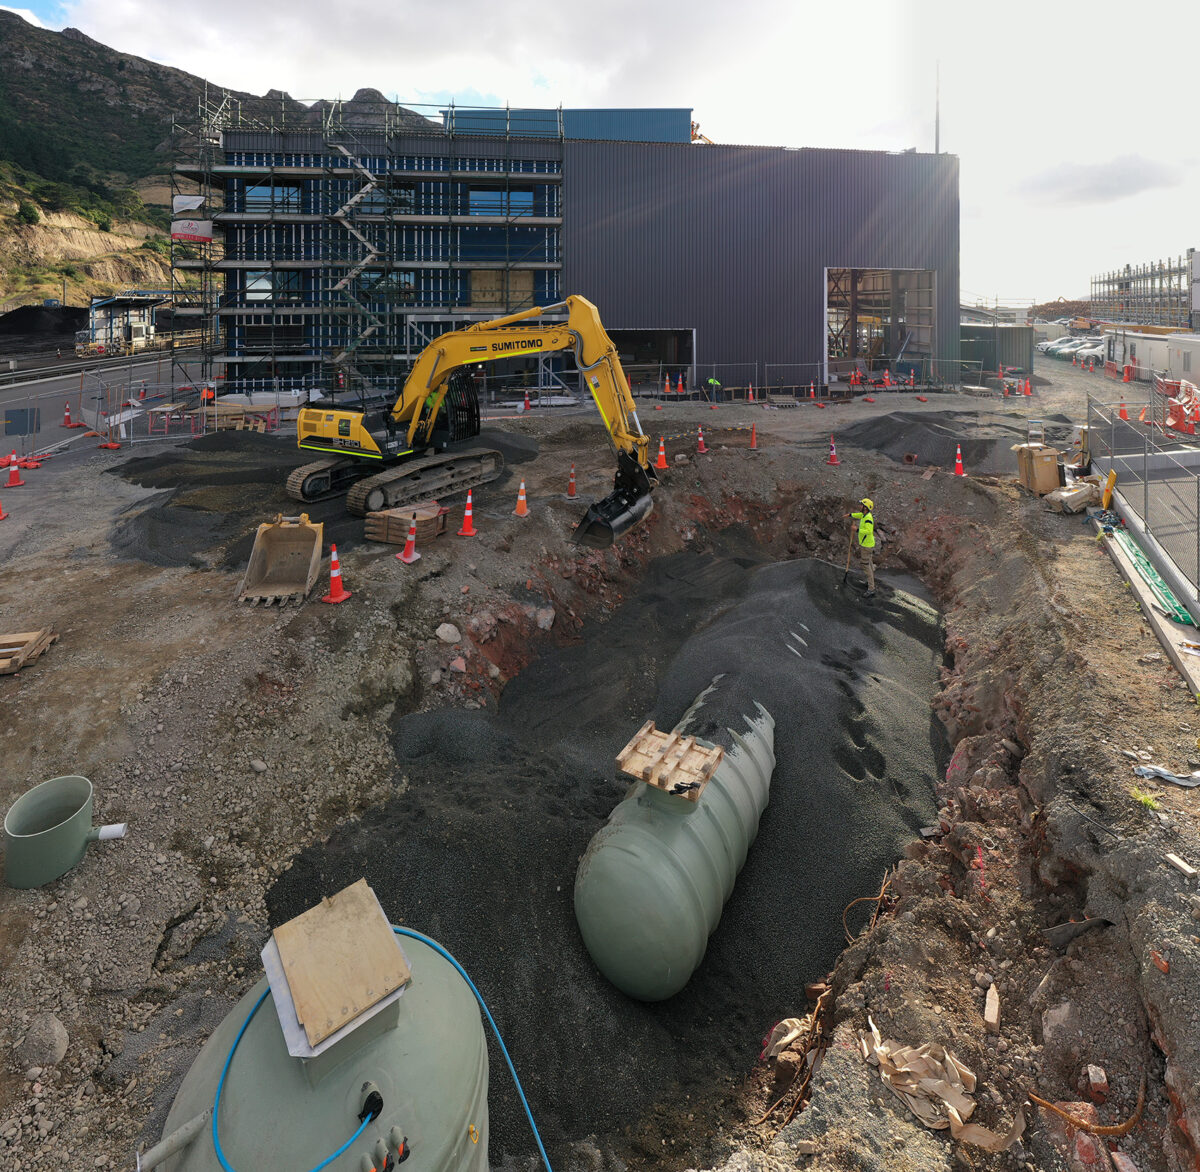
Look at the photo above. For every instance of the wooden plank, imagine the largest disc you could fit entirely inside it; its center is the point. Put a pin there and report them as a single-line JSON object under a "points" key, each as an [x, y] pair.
{"points": [[17, 650], [340, 958]]}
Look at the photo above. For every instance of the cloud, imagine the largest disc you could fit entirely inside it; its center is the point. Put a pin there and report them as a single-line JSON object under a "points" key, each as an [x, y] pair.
{"points": [[25, 14], [1075, 184]]}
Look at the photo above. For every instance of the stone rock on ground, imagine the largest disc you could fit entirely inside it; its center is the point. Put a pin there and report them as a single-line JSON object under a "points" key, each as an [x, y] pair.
{"points": [[45, 1041], [448, 633]]}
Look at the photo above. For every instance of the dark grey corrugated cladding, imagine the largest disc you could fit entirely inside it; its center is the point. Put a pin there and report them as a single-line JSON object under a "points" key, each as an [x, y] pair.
{"points": [[734, 240]]}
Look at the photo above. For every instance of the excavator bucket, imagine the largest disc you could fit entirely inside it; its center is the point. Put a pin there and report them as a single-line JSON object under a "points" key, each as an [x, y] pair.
{"points": [[284, 562], [628, 503]]}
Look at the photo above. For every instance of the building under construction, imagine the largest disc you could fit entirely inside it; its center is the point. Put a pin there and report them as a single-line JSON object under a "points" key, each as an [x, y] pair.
{"points": [[334, 242], [1162, 293]]}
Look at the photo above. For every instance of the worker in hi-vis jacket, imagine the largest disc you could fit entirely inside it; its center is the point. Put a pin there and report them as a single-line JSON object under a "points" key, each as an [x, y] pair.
{"points": [[864, 532]]}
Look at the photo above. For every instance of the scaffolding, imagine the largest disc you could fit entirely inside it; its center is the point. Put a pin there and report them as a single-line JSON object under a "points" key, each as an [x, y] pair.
{"points": [[1154, 294], [347, 235]]}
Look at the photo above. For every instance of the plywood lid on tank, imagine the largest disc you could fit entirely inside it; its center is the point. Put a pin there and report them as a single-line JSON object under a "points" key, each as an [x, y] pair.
{"points": [[340, 958], [670, 762]]}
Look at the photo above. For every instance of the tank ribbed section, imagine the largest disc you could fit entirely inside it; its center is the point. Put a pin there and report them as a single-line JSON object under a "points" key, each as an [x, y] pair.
{"points": [[653, 880]]}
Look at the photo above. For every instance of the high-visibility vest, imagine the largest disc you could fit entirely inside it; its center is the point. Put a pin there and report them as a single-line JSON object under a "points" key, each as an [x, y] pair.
{"points": [[866, 529]]}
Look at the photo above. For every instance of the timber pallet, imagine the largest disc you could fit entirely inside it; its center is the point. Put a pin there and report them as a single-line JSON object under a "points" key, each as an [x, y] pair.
{"points": [[23, 648], [670, 762], [782, 401]]}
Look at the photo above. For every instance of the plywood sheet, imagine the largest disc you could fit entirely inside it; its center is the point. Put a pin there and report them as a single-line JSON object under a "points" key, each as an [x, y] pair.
{"points": [[340, 958]]}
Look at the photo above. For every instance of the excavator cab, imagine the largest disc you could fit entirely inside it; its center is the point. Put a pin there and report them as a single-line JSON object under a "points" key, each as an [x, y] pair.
{"points": [[628, 503]]}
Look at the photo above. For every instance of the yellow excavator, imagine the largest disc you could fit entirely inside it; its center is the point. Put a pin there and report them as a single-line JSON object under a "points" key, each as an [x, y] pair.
{"points": [[399, 456]]}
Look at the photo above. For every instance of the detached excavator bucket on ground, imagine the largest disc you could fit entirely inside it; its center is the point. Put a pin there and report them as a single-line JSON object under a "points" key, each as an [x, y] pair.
{"points": [[629, 503], [285, 561]]}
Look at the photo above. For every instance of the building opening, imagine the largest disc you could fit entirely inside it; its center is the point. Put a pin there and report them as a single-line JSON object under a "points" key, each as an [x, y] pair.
{"points": [[879, 319]]}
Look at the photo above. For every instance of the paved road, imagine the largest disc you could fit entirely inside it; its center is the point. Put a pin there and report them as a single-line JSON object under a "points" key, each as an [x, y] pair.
{"points": [[90, 390]]}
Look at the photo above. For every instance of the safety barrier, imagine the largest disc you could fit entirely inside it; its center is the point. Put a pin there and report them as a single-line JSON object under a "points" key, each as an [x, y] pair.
{"points": [[1158, 479]]}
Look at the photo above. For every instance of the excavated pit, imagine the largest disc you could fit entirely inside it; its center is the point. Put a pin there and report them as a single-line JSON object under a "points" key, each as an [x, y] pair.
{"points": [[492, 811]]}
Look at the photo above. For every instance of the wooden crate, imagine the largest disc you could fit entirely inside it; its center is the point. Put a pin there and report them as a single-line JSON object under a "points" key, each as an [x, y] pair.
{"points": [[391, 525], [22, 648], [670, 762]]}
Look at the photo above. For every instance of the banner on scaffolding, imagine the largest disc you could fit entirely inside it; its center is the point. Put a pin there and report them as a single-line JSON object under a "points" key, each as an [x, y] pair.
{"points": [[199, 231], [186, 203]]}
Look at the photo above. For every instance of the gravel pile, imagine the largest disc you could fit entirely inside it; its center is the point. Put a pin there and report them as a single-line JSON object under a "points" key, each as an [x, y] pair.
{"points": [[480, 845]]}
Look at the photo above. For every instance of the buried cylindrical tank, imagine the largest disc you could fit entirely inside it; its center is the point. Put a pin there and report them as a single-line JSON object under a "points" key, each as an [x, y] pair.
{"points": [[653, 880], [425, 1058]]}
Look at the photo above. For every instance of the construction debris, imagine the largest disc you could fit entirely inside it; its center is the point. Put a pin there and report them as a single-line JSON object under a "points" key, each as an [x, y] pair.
{"points": [[936, 1087], [391, 526], [18, 650]]}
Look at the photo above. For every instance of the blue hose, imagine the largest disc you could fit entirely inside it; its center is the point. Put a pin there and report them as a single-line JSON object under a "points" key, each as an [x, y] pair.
{"points": [[462, 972], [362, 1126]]}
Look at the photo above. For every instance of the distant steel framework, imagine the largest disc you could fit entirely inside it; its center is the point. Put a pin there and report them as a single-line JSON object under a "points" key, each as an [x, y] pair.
{"points": [[1155, 294]]}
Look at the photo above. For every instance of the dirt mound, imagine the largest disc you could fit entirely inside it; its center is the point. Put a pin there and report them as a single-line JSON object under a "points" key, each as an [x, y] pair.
{"points": [[513, 799], [43, 319], [986, 437]]}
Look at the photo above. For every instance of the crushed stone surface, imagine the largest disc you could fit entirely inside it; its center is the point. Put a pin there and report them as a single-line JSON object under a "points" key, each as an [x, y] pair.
{"points": [[165, 693]]}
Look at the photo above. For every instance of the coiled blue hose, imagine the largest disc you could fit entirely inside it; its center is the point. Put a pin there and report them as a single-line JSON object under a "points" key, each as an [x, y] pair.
{"points": [[362, 1126]]}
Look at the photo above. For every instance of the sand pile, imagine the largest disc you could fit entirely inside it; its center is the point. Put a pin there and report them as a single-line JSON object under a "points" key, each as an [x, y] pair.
{"points": [[480, 845], [986, 437]]}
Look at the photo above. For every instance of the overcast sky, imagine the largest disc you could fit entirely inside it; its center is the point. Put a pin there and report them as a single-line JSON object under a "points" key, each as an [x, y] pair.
{"points": [[1064, 173]]}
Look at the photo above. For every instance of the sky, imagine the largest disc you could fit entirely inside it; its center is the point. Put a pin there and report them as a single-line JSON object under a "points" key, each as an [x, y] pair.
{"points": [[1064, 172]]}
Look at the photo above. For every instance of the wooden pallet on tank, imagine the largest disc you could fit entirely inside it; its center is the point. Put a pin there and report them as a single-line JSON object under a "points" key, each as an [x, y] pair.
{"points": [[670, 762]]}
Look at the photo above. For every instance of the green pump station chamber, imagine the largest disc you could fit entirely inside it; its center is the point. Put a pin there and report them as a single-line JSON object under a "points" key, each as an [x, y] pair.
{"points": [[404, 1079], [653, 881]]}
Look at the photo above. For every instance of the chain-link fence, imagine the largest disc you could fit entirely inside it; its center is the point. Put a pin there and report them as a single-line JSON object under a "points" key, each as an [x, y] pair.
{"points": [[1157, 477]]}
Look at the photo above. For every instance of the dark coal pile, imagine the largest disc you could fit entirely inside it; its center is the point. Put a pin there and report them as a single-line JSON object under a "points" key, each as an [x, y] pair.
{"points": [[480, 845], [43, 319], [219, 488], [986, 437]]}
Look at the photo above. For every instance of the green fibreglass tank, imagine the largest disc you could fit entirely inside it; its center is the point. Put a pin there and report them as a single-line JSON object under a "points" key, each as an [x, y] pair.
{"points": [[426, 1056], [653, 881]]}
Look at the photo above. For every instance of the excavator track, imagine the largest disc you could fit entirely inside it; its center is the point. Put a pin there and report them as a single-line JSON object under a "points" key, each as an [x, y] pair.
{"points": [[323, 479], [423, 479]]}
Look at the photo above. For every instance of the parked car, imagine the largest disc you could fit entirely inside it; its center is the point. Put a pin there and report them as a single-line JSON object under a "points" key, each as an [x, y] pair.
{"points": [[1094, 352], [1042, 347], [1070, 349], [1058, 343]]}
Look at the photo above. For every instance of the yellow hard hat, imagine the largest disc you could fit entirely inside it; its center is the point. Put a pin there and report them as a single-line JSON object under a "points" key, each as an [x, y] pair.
{"points": [[868, 502]]}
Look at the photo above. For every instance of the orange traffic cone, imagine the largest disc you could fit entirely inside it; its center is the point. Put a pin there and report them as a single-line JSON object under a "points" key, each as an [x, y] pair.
{"points": [[754, 437], [1142, 415], [468, 525], [1028, 389], [661, 462], [1091, 366], [833, 459], [1127, 378], [409, 553], [528, 406], [337, 592], [3, 514], [1123, 414], [700, 448], [887, 377], [679, 386], [750, 397], [912, 379], [667, 385], [1006, 389], [571, 482], [522, 509], [1073, 361], [958, 468], [14, 475], [812, 391]]}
